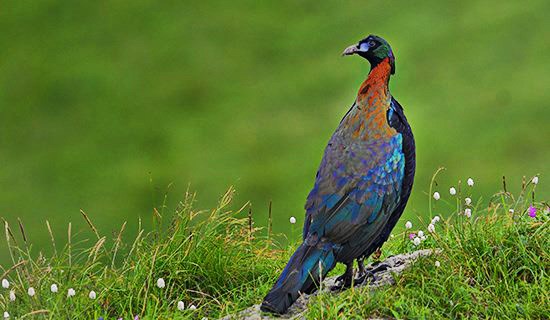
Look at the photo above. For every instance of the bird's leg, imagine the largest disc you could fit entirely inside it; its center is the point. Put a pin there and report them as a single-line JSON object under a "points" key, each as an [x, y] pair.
{"points": [[344, 281], [361, 271], [361, 266]]}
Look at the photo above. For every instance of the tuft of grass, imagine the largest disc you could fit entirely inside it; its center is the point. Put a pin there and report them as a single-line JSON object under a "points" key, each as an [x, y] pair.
{"points": [[494, 264], [212, 260]]}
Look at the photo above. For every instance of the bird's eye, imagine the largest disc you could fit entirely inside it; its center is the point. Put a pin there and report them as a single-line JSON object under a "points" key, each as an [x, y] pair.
{"points": [[372, 43]]}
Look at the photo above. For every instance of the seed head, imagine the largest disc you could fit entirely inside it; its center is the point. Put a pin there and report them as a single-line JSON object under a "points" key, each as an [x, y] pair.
{"points": [[181, 306], [160, 283]]}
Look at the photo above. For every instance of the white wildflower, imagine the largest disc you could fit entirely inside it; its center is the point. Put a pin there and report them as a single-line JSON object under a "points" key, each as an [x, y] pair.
{"points": [[71, 292], [535, 180], [452, 191], [408, 225], [468, 212], [181, 306], [192, 307], [12, 295], [92, 295], [5, 283], [292, 220], [431, 228], [435, 220], [511, 211], [423, 238], [470, 182], [31, 291], [416, 241], [53, 288], [160, 283], [6, 315], [420, 233], [437, 264], [468, 201], [437, 196]]}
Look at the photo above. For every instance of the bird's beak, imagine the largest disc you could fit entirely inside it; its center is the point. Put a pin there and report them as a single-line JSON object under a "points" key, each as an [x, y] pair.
{"points": [[350, 50]]}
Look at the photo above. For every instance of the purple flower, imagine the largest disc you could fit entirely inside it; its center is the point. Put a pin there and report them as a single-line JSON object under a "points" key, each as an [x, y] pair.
{"points": [[412, 235], [532, 212]]}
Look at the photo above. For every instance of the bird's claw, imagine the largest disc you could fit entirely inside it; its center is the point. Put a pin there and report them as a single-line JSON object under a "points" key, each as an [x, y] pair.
{"points": [[342, 282], [361, 277]]}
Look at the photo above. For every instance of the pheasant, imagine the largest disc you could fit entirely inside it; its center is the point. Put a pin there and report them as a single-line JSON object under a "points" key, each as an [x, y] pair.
{"points": [[361, 188]]}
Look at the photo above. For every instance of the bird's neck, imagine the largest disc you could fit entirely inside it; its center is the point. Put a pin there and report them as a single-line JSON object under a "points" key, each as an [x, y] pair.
{"points": [[376, 84], [369, 118]]}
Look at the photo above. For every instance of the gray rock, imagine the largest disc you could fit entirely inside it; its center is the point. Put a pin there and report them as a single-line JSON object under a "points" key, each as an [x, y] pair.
{"points": [[382, 272]]}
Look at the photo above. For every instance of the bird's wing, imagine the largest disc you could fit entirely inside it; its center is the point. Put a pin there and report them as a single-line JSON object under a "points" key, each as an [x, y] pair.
{"points": [[354, 191]]}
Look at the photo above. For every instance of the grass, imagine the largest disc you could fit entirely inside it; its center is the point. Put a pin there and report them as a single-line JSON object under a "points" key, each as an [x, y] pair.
{"points": [[494, 264], [212, 260]]}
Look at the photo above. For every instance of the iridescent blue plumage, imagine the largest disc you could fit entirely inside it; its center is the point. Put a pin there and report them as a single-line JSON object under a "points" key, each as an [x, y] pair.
{"points": [[361, 187]]}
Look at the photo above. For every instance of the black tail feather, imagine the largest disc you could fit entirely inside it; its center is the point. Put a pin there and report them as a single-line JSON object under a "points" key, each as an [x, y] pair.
{"points": [[301, 275]]}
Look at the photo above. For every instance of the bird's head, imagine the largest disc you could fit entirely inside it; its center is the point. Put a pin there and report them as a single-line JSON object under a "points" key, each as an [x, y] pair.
{"points": [[374, 49]]}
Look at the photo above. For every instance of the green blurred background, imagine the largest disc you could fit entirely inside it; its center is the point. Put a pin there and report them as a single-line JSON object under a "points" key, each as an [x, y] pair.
{"points": [[105, 104]]}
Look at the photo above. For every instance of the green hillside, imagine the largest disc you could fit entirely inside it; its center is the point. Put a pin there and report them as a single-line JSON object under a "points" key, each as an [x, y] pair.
{"points": [[105, 106]]}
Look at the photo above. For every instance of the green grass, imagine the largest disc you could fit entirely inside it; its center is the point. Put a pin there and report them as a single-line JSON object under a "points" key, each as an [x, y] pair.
{"points": [[212, 260], [492, 265]]}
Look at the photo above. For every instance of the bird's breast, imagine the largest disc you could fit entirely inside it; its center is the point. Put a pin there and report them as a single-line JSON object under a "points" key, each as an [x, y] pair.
{"points": [[368, 120]]}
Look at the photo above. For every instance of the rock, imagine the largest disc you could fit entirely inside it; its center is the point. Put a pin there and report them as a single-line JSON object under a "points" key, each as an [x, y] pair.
{"points": [[382, 275]]}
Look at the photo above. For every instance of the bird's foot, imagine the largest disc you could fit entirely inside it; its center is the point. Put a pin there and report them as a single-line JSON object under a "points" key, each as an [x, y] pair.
{"points": [[362, 277], [370, 273], [342, 282]]}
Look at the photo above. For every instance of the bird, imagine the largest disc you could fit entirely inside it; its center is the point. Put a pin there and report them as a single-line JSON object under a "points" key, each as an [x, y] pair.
{"points": [[361, 187]]}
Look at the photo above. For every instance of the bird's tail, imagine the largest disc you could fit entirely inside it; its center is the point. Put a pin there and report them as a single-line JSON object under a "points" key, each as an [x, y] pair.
{"points": [[301, 275]]}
